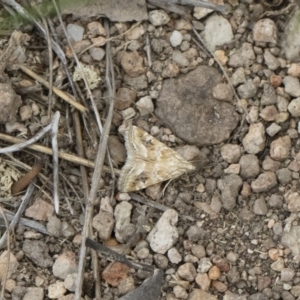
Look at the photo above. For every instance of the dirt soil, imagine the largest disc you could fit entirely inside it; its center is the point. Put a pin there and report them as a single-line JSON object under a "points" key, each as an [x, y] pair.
{"points": [[129, 86]]}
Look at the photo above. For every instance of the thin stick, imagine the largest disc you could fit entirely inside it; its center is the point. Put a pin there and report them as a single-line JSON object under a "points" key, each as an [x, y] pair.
{"points": [[8, 255], [66, 156], [96, 175], [58, 92]]}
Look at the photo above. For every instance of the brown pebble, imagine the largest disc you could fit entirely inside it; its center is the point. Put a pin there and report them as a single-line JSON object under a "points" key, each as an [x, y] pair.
{"points": [[219, 286], [275, 80], [114, 273], [221, 263], [214, 273]]}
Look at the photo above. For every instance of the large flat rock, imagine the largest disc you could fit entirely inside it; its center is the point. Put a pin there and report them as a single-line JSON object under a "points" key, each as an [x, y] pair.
{"points": [[187, 107]]}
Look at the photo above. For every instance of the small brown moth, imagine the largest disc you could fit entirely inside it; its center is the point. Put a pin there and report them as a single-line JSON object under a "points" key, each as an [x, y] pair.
{"points": [[149, 161]]}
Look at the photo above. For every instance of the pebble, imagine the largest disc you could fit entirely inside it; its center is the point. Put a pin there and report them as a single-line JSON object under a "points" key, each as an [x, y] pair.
{"points": [[176, 38], [128, 113], [95, 28], [249, 165], [214, 273], [145, 106], [122, 215], [247, 90], [278, 265], [125, 98], [263, 282], [64, 265], [269, 113], [260, 207], [197, 294], [277, 228], [294, 70], [233, 169], [284, 176], [269, 96], [54, 226], [135, 33], [132, 64], [34, 293], [56, 290], [179, 58], [271, 61], [287, 274], [126, 285], [293, 202], [204, 265], [75, 32], [158, 17], [187, 272], [242, 57], [280, 148], [270, 165], [174, 256], [291, 86], [180, 292], [273, 254], [182, 24], [39, 210], [115, 273], [273, 129], [264, 182], [217, 32], [238, 76], [164, 234], [70, 282], [275, 80], [203, 281], [223, 92], [13, 265], [265, 30], [161, 261], [198, 251], [104, 223], [294, 107], [221, 263], [219, 286], [37, 251], [97, 53], [275, 201], [25, 112], [254, 141]]}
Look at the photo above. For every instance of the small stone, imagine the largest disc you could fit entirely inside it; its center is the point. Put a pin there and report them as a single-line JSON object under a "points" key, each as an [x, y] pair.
{"points": [[158, 17], [223, 92], [221, 56], [182, 24], [291, 86], [273, 129], [217, 32], [161, 261], [34, 293], [269, 113], [7, 269], [122, 220], [115, 273], [232, 257], [64, 265], [276, 201], [233, 169], [242, 57], [174, 256], [221, 263], [126, 285], [293, 202], [145, 106], [252, 115], [97, 53], [282, 117], [104, 224], [254, 141], [203, 281], [294, 107], [95, 28], [197, 294], [294, 70], [280, 148], [273, 254], [38, 252], [204, 265], [219, 286], [263, 282], [287, 274], [214, 273], [180, 292], [247, 90], [187, 272], [176, 38], [271, 61], [198, 251], [265, 182], [275, 80], [132, 64], [56, 290], [128, 113], [284, 176], [238, 76], [164, 234], [54, 226], [40, 210], [260, 207], [278, 265], [125, 98], [75, 32], [269, 96], [265, 31], [277, 228], [179, 58], [70, 282], [249, 164], [270, 165], [246, 190], [135, 33], [25, 112]]}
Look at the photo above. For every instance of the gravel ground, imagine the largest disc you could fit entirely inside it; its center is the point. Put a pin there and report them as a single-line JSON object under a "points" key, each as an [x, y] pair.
{"points": [[220, 89]]}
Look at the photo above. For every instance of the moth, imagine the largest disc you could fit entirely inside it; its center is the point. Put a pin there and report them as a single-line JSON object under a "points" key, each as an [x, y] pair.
{"points": [[149, 161]]}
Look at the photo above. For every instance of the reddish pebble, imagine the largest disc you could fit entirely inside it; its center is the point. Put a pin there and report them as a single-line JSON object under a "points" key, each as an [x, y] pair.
{"points": [[221, 263], [275, 80], [219, 286]]}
